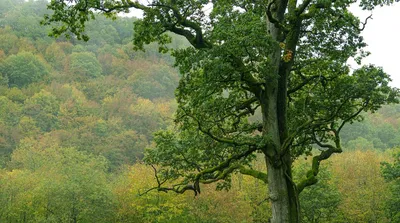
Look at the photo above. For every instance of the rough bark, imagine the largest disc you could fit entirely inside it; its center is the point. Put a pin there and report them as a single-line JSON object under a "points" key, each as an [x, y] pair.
{"points": [[282, 190], [278, 194], [283, 194]]}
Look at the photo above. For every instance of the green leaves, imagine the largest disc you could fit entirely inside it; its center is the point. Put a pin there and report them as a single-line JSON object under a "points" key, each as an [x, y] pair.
{"points": [[391, 172], [279, 64], [371, 4], [320, 202], [43, 107], [56, 185], [23, 69], [335, 97], [84, 64], [78, 12]]}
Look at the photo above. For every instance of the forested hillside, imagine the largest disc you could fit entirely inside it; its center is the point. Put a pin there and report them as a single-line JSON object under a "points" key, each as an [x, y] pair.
{"points": [[98, 96], [76, 118], [379, 130]]}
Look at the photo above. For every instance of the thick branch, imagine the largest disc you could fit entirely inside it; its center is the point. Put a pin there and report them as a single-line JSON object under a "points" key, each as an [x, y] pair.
{"points": [[222, 170], [197, 40], [180, 189], [254, 85], [177, 189], [311, 177], [246, 104], [254, 173], [287, 143], [250, 172], [273, 20], [220, 139], [302, 7], [226, 164]]}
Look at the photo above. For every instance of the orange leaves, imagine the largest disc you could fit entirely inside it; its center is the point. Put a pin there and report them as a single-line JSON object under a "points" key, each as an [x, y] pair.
{"points": [[287, 56]]}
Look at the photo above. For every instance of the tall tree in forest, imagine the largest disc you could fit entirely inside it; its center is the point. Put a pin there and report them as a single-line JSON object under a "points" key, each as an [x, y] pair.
{"points": [[285, 59]]}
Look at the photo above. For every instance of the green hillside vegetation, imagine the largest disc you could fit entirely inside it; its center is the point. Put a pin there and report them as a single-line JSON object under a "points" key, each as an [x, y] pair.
{"points": [[98, 96], [76, 118], [380, 130]]}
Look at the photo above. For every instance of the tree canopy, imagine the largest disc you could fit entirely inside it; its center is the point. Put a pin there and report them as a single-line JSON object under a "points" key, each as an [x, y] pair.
{"points": [[285, 60], [71, 146], [391, 172], [23, 69]]}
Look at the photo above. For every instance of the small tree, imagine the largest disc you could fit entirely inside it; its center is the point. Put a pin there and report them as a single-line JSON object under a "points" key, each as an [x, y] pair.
{"points": [[284, 59], [391, 172]]}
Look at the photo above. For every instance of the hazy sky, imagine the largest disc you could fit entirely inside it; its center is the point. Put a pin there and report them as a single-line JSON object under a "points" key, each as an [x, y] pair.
{"points": [[382, 34]]}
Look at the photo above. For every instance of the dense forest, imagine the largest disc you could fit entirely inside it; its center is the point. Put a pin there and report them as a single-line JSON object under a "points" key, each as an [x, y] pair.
{"points": [[76, 118]]}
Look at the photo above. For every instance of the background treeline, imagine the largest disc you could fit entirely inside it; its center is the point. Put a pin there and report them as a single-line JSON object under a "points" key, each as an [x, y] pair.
{"points": [[76, 117], [99, 96]]}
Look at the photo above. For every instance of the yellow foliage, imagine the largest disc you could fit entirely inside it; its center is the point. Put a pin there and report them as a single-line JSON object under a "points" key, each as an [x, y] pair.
{"points": [[363, 189], [236, 205]]}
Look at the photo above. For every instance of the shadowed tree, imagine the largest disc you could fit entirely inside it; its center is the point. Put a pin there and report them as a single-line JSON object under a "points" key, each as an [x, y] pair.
{"points": [[285, 59]]}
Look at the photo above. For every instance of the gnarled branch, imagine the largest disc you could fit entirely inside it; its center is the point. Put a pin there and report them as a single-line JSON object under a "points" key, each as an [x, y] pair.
{"points": [[311, 177]]}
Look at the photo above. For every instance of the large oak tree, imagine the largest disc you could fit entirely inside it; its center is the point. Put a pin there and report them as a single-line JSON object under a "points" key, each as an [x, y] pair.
{"points": [[284, 59]]}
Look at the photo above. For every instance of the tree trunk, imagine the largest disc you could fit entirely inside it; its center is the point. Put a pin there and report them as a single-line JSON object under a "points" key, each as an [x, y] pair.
{"points": [[282, 191], [283, 195], [278, 193]]}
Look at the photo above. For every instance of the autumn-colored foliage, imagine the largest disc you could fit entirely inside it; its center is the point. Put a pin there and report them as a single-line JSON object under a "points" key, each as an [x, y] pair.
{"points": [[76, 118]]}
